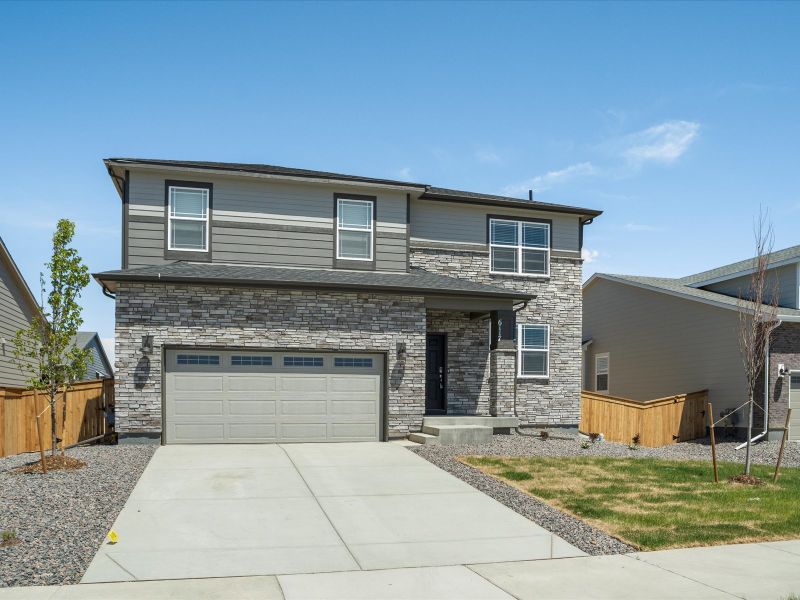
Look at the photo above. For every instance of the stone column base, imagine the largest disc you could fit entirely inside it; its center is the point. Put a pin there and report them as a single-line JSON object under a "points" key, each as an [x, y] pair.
{"points": [[502, 373]]}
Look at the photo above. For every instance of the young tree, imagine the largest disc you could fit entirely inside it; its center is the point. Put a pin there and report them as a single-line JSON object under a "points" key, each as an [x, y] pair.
{"points": [[758, 311], [44, 351]]}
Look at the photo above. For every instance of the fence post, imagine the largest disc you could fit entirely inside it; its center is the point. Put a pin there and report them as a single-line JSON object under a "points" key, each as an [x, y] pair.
{"points": [[713, 441], [783, 443]]}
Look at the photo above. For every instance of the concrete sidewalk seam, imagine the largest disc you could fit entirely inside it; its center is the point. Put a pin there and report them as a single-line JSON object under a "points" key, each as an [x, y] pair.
{"points": [[310, 491], [116, 562], [497, 585], [704, 584]]}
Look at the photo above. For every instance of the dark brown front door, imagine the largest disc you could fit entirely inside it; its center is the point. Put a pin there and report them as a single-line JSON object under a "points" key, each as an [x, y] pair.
{"points": [[436, 374]]}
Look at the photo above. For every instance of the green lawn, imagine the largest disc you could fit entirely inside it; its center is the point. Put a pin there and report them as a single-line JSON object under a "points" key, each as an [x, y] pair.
{"points": [[656, 504]]}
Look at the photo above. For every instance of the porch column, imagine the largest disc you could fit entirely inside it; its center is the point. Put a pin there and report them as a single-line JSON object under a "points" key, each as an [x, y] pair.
{"points": [[502, 364]]}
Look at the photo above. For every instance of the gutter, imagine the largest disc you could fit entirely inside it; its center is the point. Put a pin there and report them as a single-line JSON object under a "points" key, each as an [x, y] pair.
{"points": [[346, 287]]}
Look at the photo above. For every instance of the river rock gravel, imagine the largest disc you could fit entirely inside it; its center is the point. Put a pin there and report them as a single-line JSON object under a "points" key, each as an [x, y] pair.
{"points": [[573, 530], [62, 518]]}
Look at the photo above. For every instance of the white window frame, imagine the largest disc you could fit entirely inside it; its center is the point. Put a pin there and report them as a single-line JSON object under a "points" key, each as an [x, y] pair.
{"points": [[171, 217], [371, 230], [519, 248], [607, 356], [521, 350]]}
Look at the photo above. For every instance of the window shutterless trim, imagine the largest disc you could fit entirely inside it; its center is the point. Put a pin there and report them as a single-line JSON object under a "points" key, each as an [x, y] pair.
{"points": [[187, 253], [521, 349], [519, 246], [607, 372], [367, 264]]}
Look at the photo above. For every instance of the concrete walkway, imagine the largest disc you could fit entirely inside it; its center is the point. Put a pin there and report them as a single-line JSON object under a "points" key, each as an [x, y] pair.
{"points": [[244, 510], [752, 571]]}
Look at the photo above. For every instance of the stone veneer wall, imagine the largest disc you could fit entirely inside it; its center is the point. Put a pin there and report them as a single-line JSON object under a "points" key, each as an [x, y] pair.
{"points": [[467, 360], [552, 401], [194, 315], [784, 348]]}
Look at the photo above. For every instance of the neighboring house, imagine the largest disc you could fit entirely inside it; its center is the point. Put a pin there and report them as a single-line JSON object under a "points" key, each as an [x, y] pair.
{"points": [[99, 366], [259, 303], [18, 307], [650, 337]]}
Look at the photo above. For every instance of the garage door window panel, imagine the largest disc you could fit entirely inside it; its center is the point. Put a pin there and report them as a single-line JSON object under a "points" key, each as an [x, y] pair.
{"points": [[303, 361]]}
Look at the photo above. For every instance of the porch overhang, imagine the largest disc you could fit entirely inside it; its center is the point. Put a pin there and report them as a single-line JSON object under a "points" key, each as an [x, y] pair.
{"points": [[454, 292]]}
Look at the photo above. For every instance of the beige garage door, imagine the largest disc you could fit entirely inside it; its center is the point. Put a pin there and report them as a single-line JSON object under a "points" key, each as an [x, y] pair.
{"points": [[254, 397]]}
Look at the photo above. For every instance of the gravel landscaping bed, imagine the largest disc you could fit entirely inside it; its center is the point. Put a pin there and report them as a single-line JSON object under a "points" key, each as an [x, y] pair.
{"points": [[62, 518], [573, 530]]}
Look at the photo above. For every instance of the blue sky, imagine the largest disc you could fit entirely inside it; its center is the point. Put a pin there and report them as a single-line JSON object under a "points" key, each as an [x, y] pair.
{"points": [[677, 120]]}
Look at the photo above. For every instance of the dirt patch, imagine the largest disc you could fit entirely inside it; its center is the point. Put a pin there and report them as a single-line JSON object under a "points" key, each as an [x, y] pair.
{"points": [[746, 480], [53, 463]]}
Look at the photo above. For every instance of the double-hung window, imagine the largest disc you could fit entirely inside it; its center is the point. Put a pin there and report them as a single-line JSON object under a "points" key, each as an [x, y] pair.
{"points": [[533, 351], [601, 368], [188, 218], [521, 247], [354, 229]]}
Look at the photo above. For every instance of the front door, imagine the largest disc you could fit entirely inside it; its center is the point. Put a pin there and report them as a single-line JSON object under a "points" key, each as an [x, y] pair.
{"points": [[436, 374]]}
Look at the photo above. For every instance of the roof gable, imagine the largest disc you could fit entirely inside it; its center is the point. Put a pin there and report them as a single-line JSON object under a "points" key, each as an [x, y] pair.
{"points": [[741, 268], [22, 285]]}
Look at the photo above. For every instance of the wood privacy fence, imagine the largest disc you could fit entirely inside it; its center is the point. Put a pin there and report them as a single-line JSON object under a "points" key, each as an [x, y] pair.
{"points": [[86, 417], [656, 422]]}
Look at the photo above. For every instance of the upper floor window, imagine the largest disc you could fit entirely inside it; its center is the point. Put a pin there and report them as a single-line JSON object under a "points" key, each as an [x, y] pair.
{"points": [[188, 218], [533, 351], [354, 229], [519, 247]]}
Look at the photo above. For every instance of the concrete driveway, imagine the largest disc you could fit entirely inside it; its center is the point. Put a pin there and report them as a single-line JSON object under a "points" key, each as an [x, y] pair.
{"points": [[238, 510]]}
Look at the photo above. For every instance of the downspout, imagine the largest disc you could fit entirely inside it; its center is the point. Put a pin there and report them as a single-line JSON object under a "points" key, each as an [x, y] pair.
{"points": [[766, 395]]}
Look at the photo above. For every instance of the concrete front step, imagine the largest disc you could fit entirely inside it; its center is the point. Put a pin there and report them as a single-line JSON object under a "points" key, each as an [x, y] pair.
{"points": [[453, 435], [424, 438], [493, 422]]}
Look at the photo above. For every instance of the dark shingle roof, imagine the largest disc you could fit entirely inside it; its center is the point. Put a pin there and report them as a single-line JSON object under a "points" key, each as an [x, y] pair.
{"points": [[415, 282], [437, 193], [263, 169], [82, 338], [429, 192], [676, 287], [779, 256]]}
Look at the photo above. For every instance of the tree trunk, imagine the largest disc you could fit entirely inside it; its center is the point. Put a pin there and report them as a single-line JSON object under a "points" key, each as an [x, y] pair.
{"points": [[53, 427], [64, 422], [749, 434]]}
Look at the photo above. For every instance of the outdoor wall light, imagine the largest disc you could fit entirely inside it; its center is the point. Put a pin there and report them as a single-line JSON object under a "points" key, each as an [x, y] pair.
{"points": [[147, 344], [401, 350]]}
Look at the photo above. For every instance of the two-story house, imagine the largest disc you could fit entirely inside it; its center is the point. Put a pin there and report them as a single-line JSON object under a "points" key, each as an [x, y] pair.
{"points": [[18, 309], [259, 304], [651, 337]]}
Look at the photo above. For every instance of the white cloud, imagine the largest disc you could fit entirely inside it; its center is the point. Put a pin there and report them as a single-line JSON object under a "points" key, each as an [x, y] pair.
{"points": [[589, 256], [552, 178], [108, 346], [664, 143], [488, 156], [405, 173]]}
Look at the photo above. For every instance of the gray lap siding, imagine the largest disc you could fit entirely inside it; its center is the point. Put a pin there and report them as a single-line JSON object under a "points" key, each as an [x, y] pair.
{"points": [[212, 316], [551, 401]]}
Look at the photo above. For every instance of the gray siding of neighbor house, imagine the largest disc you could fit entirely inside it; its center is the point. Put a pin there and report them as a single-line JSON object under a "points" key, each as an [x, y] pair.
{"points": [[449, 222], [15, 314], [263, 222], [784, 277], [96, 362], [661, 345]]}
